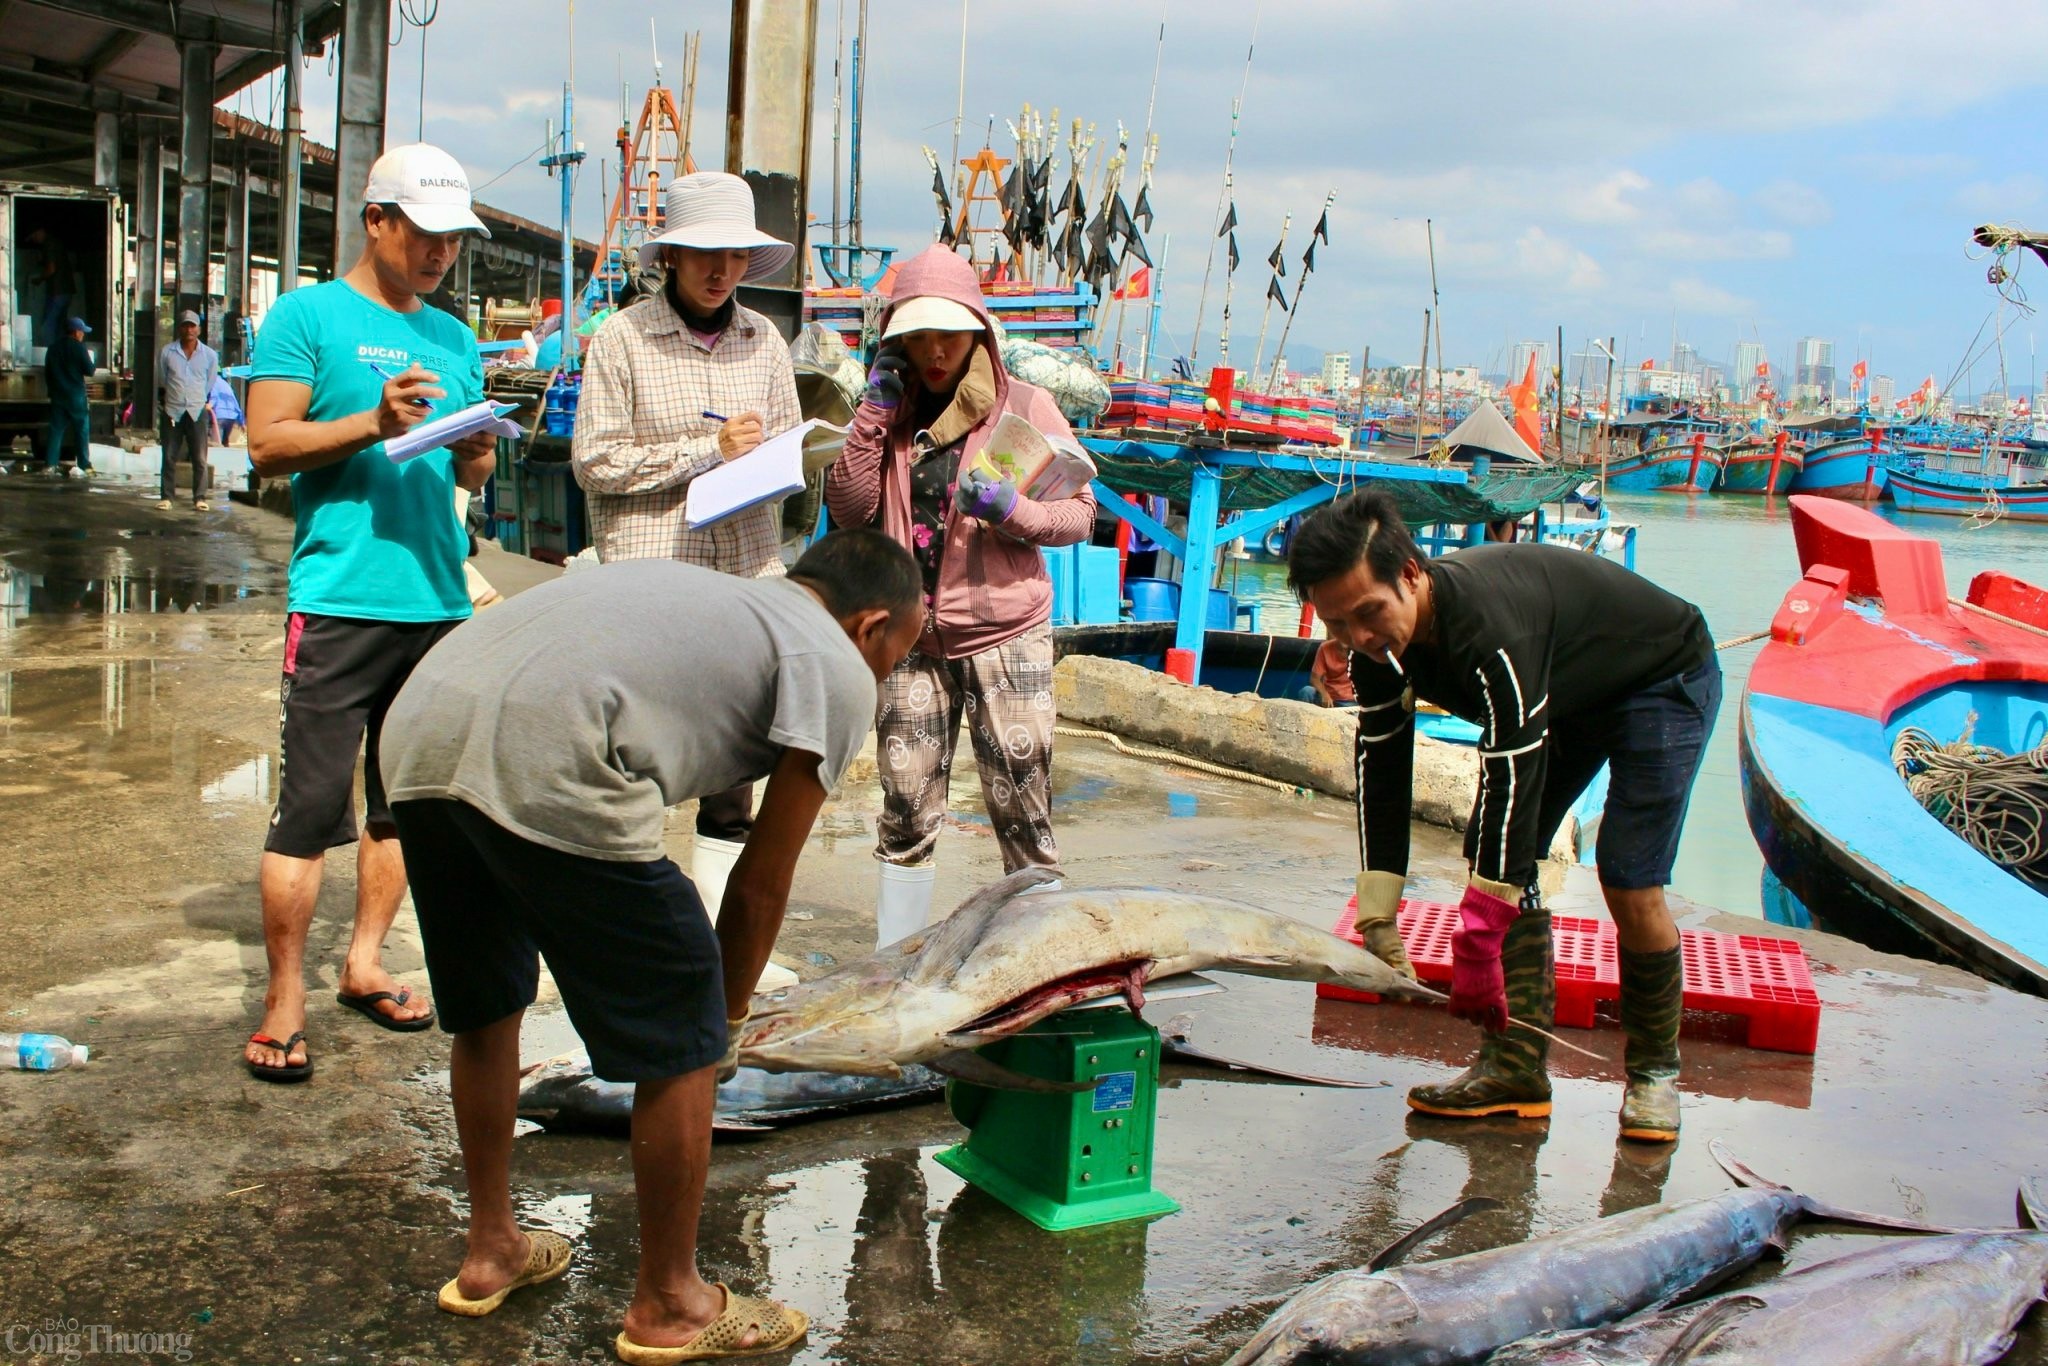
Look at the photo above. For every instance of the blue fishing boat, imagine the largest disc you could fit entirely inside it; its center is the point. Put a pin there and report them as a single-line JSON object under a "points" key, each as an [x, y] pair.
{"points": [[1856, 468], [1960, 494], [1680, 457], [1867, 645]]}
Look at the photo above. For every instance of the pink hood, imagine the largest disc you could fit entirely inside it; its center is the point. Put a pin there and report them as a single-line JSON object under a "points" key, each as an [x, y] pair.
{"points": [[992, 581]]}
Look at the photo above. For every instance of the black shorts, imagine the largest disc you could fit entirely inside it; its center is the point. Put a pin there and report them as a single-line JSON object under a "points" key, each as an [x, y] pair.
{"points": [[1652, 742], [340, 676], [629, 944]]}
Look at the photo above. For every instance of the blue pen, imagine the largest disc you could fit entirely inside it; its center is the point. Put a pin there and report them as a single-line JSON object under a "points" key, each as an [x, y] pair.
{"points": [[715, 417], [386, 373]]}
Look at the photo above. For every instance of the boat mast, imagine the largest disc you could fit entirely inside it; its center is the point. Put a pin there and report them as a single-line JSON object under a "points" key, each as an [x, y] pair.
{"points": [[1222, 203]]}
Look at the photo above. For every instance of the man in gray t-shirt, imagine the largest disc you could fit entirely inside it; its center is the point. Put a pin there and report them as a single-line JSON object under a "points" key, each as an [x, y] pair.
{"points": [[528, 761]]}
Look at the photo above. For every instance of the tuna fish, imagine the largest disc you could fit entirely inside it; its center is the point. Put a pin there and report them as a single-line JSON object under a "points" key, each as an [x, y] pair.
{"points": [[562, 1095], [1949, 1301], [1462, 1308], [1010, 956]]}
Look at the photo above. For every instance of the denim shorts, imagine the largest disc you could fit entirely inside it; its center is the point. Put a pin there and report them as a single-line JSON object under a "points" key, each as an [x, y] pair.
{"points": [[1653, 742]]}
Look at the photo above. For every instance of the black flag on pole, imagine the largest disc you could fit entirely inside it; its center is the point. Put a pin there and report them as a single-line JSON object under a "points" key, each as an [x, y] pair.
{"points": [[1143, 208], [1322, 229], [1308, 258], [1233, 254], [1134, 245], [1276, 294], [1120, 218], [1277, 261], [1229, 220]]}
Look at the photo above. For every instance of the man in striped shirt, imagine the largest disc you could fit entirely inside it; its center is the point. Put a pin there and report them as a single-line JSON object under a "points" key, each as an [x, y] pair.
{"points": [[1566, 662]]}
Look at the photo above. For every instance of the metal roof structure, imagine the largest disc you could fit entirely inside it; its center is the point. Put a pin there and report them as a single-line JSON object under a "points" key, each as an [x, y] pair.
{"points": [[63, 63]]}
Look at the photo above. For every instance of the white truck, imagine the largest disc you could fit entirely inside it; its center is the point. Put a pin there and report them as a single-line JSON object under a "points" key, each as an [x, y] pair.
{"points": [[61, 256]]}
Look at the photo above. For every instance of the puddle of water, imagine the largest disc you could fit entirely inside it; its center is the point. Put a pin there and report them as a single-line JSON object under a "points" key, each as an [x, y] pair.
{"points": [[247, 783], [26, 595]]}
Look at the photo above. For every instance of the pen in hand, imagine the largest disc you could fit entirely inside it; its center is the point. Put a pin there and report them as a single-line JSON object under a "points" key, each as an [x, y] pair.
{"points": [[715, 417], [386, 373]]}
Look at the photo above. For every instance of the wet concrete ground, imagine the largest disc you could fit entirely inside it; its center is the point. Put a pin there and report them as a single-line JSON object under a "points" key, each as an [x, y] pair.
{"points": [[163, 1191]]}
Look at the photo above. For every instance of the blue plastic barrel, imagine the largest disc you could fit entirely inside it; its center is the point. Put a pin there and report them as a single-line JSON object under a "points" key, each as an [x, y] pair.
{"points": [[1153, 599]]}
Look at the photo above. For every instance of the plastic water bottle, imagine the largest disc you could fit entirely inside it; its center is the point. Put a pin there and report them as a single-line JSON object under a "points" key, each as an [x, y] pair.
{"points": [[39, 1052]]}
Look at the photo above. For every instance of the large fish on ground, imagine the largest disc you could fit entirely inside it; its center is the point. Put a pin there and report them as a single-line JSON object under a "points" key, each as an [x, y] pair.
{"points": [[1462, 1308], [562, 1095], [1010, 956], [1950, 1301]]}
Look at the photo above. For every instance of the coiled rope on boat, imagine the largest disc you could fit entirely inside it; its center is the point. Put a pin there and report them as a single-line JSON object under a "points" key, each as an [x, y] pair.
{"points": [[1996, 801]]}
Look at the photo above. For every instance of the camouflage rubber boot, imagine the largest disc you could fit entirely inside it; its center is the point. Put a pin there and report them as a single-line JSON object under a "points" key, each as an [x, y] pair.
{"points": [[1652, 999], [1508, 1076]]}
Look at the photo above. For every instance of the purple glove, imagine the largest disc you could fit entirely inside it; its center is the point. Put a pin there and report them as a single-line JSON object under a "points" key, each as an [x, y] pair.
{"points": [[885, 381], [979, 497], [1478, 991]]}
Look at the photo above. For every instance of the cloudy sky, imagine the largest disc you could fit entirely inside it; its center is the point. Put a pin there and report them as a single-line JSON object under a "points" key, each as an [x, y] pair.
{"points": [[1726, 169]]}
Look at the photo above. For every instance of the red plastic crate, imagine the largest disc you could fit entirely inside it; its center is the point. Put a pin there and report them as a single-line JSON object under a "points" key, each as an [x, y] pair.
{"points": [[1762, 979]]}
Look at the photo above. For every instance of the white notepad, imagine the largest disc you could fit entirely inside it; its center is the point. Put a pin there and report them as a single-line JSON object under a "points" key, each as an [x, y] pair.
{"points": [[443, 431], [774, 469]]}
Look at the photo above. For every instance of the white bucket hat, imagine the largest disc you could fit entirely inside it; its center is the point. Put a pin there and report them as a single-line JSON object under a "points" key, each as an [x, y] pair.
{"points": [[427, 185], [714, 211]]}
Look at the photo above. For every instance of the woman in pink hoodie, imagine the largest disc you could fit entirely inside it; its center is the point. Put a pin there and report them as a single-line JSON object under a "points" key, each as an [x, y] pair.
{"points": [[935, 394]]}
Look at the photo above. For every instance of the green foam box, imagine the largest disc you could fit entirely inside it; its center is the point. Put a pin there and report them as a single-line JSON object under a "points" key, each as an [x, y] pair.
{"points": [[1067, 1161]]}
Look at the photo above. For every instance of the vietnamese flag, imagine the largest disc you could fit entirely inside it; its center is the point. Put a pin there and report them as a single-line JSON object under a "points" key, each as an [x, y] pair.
{"points": [[1528, 407], [1648, 365], [1138, 286], [1763, 369], [1857, 374]]}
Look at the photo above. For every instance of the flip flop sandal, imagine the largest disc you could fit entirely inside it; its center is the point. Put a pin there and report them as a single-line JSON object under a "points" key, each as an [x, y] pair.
{"points": [[290, 1071], [367, 1005], [547, 1256], [778, 1328]]}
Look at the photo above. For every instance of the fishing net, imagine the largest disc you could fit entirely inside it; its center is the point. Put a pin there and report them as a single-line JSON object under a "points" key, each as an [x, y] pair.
{"points": [[1996, 801], [1071, 379]]}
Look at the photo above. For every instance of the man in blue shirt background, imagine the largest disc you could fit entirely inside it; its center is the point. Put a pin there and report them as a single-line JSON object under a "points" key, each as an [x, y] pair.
{"points": [[66, 368], [376, 568]]}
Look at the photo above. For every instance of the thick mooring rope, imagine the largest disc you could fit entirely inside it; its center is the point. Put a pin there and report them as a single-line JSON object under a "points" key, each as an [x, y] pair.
{"points": [[1996, 801]]}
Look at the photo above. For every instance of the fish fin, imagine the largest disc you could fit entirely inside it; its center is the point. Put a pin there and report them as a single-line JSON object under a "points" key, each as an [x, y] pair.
{"points": [[1178, 1048], [946, 944], [1820, 1209], [1429, 1228], [963, 1065], [2033, 1209], [1717, 1319], [1742, 1175]]}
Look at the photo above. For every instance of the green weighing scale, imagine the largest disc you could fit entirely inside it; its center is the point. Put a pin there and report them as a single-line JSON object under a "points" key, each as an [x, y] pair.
{"points": [[1076, 1160]]}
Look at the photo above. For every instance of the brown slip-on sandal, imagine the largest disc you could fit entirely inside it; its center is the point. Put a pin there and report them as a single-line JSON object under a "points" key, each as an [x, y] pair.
{"points": [[779, 1329], [547, 1256]]}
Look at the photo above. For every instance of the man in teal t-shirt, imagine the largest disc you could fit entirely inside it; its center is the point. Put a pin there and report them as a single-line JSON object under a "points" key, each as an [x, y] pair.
{"points": [[376, 571]]}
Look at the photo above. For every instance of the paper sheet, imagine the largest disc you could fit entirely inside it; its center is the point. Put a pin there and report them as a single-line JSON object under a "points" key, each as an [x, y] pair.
{"points": [[774, 469], [442, 431]]}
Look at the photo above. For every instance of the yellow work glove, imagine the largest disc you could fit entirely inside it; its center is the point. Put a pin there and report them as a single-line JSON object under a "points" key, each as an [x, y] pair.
{"points": [[729, 1065], [1379, 898]]}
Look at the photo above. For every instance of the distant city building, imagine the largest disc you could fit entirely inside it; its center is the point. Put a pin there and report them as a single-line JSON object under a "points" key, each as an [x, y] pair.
{"points": [[1336, 371], [1813, 369], [1881, 395], [1684, 359], [1712, 378], [1667, 384], [1748, 356], [1518, 363]]}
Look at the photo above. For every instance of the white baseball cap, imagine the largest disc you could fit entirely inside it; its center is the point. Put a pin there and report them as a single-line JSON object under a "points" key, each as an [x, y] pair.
{"points": [[930, 313], [427, 185]]}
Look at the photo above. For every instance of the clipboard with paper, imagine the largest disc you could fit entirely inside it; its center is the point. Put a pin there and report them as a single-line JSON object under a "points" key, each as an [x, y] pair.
{"points": [[443, 431], [772, 470], [1044, 468]]}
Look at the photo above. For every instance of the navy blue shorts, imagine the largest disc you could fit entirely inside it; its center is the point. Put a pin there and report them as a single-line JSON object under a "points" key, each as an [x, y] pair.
{"points": [[1652, 742], [629, 944]]}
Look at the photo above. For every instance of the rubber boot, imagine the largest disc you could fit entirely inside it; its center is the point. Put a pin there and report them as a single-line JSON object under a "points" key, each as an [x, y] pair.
{"points": [[903, 901], [1508, 1077], [1652, 999], [711, 864]]}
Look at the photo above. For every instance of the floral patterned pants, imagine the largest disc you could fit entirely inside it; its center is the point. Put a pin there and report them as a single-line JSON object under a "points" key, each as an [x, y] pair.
{"points": [[1005, 696]]}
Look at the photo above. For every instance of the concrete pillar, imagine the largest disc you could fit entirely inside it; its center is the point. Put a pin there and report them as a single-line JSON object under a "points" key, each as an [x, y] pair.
{"points": [[768, 135], [149, 263], [236, 288], [106, 150], [195, 174], [290, 155], [358, 119]]}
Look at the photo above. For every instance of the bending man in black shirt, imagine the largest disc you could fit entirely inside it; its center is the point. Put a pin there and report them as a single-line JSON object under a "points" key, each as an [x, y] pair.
{"points": [[1565, 661]]}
